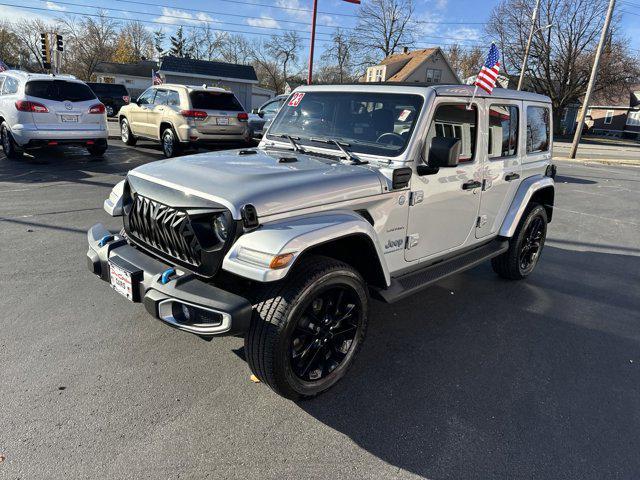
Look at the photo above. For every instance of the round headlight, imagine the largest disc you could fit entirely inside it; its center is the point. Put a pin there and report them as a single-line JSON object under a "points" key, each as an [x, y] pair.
{"points": [[221, 227]]}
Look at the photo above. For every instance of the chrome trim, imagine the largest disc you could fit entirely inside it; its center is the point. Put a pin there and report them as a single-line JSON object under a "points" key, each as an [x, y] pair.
{"points": [[525, 191], [166, 315]]}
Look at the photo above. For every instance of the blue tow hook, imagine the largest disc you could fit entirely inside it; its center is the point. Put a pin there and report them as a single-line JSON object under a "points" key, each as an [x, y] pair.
{"points": [[104, 240], [166, 275]]}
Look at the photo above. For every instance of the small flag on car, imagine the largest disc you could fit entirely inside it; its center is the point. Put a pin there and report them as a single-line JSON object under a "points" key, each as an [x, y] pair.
{"points": [[3, 66], [156, 78], [486, 79]]}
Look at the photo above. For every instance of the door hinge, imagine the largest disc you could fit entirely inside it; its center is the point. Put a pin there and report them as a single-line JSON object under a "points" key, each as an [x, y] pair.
{"points": [[412, 241], [416, 197]]}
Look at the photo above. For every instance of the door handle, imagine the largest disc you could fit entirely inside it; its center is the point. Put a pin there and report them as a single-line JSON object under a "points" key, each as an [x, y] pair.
{"points": [[511, 176], [471, 184]]}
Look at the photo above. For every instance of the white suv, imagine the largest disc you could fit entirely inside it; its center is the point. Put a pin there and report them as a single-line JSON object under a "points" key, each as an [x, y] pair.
{"points": [[38, 110]]}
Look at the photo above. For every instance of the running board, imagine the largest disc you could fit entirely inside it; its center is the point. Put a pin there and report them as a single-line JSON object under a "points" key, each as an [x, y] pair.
{"points": [[409, 283]]}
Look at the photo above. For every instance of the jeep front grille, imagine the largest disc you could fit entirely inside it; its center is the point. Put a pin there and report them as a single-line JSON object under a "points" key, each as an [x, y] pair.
{"points": [[164, 228]]}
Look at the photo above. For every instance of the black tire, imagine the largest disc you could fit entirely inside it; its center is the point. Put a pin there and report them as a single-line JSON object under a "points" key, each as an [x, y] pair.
{"points": [[125, 133], [11, 149], [282, 331], [97, 150], [525, 247], [170, 144]]}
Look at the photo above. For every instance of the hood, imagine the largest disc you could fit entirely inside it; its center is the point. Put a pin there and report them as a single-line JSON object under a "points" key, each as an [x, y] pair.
{"points": [[263, 179]]}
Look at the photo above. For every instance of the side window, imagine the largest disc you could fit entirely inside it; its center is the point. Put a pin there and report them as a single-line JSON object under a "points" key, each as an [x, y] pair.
{"points": [[1, 82], [10, 86], [455, 121], [272, 107], [537, 129], [147, 97], [173, 98], [503, 131], [161, 97]]}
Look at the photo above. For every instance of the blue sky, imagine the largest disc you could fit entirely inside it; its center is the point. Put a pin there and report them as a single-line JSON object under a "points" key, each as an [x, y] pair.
{"points": [[262, 20]]}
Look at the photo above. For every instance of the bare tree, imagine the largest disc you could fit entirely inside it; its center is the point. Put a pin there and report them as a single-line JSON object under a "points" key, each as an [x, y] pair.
{"points": [[561, 57], [88, 41], [338, 59], [465, 62], [267, 68], [384, 26], [134, 43], [26, 34], [234, 49], [284, 50]]}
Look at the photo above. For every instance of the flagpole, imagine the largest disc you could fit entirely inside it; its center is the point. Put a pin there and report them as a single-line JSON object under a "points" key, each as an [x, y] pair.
{"points": [[475, 90], [313, 38]]}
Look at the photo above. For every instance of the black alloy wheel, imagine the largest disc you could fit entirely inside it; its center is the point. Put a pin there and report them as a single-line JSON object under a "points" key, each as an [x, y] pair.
{"points": [[325, 332], [532, 244]]}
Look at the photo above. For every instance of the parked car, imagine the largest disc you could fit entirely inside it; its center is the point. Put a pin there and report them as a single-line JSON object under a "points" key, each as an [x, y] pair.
{"points": [[182, 116], [38, 110], [112, 95], [262, 116], [355, 191]]}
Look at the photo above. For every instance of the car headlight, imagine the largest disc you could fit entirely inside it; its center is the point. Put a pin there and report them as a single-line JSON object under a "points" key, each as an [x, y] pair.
{"points": [[221, 227]]}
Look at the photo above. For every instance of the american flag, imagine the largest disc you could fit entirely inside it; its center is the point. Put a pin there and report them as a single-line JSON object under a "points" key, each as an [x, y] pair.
{"points": [[486, 79], [3, 66], [156, 78]]}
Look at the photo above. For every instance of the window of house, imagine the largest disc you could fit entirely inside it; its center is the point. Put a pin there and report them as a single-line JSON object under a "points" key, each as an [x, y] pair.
{"points": [[608, 117], [537, 129], [378, 74], [633, 119], [108, 80], [455, 121], [503, 131], [434, 75]]}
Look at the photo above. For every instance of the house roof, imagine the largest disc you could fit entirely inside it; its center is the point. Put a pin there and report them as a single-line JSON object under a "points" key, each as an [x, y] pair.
{"points": [[409, 62], [139, 69], [207, 68]]}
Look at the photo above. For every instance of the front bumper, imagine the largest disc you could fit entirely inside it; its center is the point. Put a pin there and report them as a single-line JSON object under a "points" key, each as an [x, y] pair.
{"points": [[232, 312]]}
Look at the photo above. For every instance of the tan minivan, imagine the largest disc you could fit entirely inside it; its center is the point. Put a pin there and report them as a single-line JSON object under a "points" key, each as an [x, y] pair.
{"points": [[181, 116]]}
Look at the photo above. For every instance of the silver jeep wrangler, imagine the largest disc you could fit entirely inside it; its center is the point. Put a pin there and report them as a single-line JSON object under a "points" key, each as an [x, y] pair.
{"points": [[355, 191]]}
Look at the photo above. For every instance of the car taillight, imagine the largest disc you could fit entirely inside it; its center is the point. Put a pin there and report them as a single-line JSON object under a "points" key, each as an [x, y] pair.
{"points": [[193, 114], [33, 107], [97, 108], [243, 116]]}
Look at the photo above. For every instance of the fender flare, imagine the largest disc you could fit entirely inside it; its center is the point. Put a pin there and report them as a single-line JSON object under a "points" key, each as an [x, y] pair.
{"points": [[528, 187], [297, 235]]}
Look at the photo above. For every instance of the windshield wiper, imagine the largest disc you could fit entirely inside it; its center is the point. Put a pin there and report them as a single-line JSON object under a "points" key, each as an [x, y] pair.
{"points": [[341, 145], [292, 141]]}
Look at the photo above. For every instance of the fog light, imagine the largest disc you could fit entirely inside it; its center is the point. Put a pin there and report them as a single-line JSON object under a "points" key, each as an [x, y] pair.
{"points": [[186, 312], [191, 315]]}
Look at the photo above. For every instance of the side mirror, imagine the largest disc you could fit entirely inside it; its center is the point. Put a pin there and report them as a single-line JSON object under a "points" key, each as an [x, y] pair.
{"points": [[444, 152]]}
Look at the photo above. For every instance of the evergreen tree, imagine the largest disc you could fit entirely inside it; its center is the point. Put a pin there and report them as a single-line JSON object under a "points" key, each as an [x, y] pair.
{"points": [[158, 42], [178, 44]]}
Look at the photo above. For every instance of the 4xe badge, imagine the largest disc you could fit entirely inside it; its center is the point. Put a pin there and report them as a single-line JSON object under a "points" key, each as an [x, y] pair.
{"points": [[296, 99]]}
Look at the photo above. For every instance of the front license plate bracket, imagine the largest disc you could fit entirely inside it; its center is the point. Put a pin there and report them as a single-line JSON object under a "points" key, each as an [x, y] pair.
{"points": [[125, 272]]}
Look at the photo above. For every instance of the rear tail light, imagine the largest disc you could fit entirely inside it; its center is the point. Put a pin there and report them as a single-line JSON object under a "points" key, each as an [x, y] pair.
{"points": [[97, 108], [126, 99], [243, 116], [193, 114], [33, 107]]}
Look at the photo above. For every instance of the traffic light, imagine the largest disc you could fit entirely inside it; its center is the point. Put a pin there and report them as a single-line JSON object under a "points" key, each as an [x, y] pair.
{"points": [[46, 52], [59, 45]]}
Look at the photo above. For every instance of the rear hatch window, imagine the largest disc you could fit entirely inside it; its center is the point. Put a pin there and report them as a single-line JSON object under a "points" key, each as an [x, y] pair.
{"points": [[59, 90], [109, 89], [201, 100]]}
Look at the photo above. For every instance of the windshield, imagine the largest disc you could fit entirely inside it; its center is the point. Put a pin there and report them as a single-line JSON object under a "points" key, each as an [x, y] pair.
{"points": [[369, 122], [59, 90]]}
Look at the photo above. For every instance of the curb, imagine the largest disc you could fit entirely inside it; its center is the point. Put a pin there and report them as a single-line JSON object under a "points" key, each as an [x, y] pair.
{"points": [[601, 161]]}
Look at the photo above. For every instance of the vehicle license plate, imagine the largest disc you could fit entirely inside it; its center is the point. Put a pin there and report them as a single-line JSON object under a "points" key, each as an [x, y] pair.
{"points": [[121, 281], [222, 121], [69, 118]]}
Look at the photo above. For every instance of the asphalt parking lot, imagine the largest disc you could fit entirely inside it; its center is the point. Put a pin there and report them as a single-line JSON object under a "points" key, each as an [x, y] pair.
{"points": [[475, 378]]}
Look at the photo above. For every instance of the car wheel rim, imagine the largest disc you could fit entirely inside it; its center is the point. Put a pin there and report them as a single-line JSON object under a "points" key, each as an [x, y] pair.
{"points": [[532, 244], [124, 131], [325, 334], [168, 145]]}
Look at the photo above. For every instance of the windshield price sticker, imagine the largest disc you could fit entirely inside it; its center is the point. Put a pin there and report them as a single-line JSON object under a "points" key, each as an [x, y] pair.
{"points": [[296, 99], [404, 115]]}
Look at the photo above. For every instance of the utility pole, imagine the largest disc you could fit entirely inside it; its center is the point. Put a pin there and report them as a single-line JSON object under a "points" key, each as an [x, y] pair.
{"points": [[313, 39], [592, 80], [534, 17]]}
